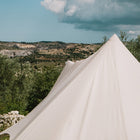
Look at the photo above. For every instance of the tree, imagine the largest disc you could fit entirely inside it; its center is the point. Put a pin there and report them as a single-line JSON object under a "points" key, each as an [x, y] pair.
{"points": [[42, 83], [14, 85], [7, 72], [123, 36], [104, 40], [137, 48], [134, 47]]}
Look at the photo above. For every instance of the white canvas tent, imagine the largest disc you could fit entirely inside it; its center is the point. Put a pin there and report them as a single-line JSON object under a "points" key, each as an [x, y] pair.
{"points": [[93, 99]]}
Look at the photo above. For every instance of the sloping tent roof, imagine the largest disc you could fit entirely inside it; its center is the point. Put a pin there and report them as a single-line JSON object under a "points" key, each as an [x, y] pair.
{"points": [[97, 98]]}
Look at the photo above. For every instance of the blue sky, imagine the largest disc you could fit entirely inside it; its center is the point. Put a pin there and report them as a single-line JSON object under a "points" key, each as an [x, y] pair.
{"points": [[84, 21]]}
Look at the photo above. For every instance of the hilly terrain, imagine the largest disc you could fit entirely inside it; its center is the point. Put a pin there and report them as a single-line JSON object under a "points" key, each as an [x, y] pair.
{"points": [[46, 51]]}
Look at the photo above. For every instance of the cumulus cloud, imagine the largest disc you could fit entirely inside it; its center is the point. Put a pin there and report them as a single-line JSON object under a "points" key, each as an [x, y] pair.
{"points": [[99, 15], [134, 33], [71, 10], [56, 6], [131, 32]]}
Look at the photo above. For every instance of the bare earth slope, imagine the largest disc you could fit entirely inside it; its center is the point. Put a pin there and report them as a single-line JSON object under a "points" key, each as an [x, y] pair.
{"points": [[48, 51]]}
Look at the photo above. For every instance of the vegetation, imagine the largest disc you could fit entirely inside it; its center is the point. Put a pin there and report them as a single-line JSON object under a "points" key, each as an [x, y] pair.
{"points": [[4, 137], [134, 46], [22, 85], [104, 40], [123, 36], [43, 81]]}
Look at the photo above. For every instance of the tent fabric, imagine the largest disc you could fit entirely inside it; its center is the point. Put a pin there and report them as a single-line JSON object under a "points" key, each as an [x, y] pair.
{"points": [[97, 98]]}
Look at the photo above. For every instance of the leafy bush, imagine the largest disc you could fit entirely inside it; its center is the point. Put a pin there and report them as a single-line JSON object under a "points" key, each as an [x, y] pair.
{"points": [[22, 86], [4, 137], [43, 81]]}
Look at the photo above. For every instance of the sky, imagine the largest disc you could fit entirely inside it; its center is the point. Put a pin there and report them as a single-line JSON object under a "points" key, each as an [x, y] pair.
{"points": [[79, 21]]}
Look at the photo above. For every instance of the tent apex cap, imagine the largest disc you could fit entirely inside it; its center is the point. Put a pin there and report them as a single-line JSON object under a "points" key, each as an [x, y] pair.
{"points": [[114, 36]]}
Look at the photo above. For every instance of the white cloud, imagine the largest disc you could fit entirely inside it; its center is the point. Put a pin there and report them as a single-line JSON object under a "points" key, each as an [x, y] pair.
{"points": [[97, 14], [131, 32], [71, 10], [86, 1], [136, 32], [56, 6]]}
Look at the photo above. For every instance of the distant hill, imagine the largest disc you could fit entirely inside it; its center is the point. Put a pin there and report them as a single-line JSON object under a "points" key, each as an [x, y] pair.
{"points": [[47, 50]]}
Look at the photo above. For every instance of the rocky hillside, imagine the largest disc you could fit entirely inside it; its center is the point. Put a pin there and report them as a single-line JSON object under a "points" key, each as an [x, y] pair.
{"points": [[47, 51]]}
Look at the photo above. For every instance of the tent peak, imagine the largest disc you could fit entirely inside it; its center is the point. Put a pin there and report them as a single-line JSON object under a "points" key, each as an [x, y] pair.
{"points": [[114, 37], [114, 41]]}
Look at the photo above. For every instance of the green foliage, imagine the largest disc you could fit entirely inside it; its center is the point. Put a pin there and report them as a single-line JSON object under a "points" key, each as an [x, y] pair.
{"points": [[104, 40], [22, 86], [4, 137], [123, 36], [134, 46], [14, 85], [7, 72], [43, 81]]}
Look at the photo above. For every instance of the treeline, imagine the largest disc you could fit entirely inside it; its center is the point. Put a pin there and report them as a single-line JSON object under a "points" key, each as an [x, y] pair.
{"points": [[24, 85], [134, 47]]}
